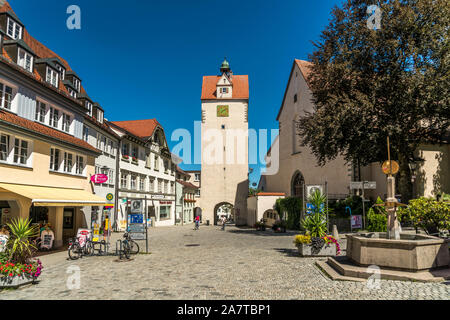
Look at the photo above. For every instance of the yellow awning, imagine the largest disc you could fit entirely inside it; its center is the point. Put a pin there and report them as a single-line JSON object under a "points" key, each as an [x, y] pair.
{"points": [[55, 197]]}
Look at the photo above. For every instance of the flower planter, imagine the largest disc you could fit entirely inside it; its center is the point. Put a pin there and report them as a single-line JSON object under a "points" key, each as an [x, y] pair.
{"points": [[16, 281], [306, 250]]}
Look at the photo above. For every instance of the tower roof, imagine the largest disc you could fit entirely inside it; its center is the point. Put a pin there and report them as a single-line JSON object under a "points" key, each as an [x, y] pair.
{"points": [[225, 67], [240, 87]]}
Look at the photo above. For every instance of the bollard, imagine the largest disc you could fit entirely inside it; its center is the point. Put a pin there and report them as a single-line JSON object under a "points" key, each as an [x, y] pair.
{"points": [[335, 232]]}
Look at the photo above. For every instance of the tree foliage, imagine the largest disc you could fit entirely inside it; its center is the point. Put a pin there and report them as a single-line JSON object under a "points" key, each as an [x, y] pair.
{"points": [[370, 84]]}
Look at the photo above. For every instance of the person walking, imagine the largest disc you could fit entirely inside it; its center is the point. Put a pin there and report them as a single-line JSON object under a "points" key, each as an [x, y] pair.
{"points": [[224, 221], [197, 222]]}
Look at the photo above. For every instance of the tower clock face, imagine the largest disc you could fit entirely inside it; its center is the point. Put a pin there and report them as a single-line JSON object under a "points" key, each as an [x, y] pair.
{"points": [[223, 111]]}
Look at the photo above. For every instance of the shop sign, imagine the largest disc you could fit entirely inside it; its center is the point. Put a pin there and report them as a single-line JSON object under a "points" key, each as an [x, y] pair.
{"points": [[99, 178], [109, 197]]}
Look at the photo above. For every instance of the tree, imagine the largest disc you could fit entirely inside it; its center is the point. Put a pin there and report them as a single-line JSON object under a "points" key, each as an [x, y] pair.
{"points": [[370, 84]]}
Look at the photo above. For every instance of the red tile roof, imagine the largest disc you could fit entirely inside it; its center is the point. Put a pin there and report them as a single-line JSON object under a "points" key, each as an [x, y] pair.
{"points": [[39, 128], [280, 194], [139, 128], [42, 52], [187, 184], [240, 87]]}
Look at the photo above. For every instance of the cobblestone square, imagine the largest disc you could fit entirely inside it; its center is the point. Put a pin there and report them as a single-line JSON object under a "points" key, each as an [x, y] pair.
{"points": [[239, 263]]}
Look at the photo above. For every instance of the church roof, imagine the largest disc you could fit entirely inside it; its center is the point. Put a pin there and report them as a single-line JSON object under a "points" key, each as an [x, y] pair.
{"points": [[240, 87]]}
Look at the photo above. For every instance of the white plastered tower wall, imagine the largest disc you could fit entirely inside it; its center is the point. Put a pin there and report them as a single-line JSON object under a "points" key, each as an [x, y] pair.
{"points": [[224, 167]]}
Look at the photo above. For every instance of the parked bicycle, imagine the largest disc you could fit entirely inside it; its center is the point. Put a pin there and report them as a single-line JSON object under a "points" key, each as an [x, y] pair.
{"points": [[77, 250], [129, 246]]}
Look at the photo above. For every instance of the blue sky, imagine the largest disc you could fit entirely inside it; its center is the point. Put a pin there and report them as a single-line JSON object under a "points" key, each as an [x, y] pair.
{"points": [[146, 59]]}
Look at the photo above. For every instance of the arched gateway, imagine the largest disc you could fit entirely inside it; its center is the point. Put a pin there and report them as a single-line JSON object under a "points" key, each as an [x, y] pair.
{"points": [[223, 209]]}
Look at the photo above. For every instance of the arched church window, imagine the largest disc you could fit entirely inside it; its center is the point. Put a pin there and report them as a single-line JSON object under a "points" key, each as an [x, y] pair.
{"points": [[297, 185]]}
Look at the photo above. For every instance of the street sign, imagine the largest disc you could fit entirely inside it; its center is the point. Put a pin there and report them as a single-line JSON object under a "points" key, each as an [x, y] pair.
{"points": [[138, 228], [136, 206], [136, 218], [368, 185], [137, 236]]}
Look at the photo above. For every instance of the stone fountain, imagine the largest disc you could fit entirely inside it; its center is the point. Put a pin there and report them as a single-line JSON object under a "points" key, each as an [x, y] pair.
{"points": [[393, 251]]}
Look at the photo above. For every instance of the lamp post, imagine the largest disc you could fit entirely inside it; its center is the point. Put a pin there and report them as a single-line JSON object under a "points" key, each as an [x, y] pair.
{"points": [[413, 166]]}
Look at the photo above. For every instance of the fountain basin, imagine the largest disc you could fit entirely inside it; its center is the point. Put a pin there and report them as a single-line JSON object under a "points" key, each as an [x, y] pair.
{"points": [[410, 253]]}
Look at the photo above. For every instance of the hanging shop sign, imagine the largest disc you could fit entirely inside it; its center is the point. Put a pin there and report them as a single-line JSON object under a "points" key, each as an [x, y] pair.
{"points": [[110, 197], [99, 178], [356, 222]]}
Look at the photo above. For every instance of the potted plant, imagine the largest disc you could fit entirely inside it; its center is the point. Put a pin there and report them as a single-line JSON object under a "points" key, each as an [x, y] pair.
{"points": [[260, 226], [134, 160], [16, 264], [125, 157], [316, 242], [279, 226]]}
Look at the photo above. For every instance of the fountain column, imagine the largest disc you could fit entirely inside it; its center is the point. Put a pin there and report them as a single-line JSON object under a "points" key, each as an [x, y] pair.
{"points": [[393, 227]]}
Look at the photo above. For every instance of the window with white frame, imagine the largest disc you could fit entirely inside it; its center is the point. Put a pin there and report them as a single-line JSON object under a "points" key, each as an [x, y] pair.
{"points": [[99, 141], [72, 93], [134, 151], [89, 108], [125, 149], [166, 187], [68, 162], [111, 147], [123, 180], [77, 84], [156, 162], [100, 116], [6, 93], [142, 183], [151, 184], [172, 188], [148, 160], [111, 178], [160, 186], [54, 159], [4, 147], [85, 133], [197, 193], [62, 71], [66, 123], [14, 29], [25, 60], [197, 177], [104, 144], [52, 77], [41, 109], [20, 151], [54, 117], [79, 165], [133, 182]]}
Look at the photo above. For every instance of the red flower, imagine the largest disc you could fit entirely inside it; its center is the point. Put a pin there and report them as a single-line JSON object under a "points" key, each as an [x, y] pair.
{"points": [[10, 274]]}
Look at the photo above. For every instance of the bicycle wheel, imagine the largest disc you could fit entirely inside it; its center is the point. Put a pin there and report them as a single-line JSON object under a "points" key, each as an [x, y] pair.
{"points": [[134, 247], [89, 249], [74, 252], [127, 251]]}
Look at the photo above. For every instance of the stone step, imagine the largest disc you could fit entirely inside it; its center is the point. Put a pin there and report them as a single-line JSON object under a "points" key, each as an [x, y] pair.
{"points": [[333, 274], [346, 268]]}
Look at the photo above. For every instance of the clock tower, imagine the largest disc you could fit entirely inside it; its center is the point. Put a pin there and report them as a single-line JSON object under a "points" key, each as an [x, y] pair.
{"points": [[224, 130]]}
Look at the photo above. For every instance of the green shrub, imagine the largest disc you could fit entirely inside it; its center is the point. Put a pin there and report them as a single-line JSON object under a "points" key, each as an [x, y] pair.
{"points": [[427, 214], [377, 218], [293, 207]]}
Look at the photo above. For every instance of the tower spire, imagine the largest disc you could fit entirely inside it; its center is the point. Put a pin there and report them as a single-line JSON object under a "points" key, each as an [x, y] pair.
{"points": [[225, 67]]}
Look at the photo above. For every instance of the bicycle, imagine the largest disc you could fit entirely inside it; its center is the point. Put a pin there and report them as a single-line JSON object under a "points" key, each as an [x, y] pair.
{"points": [[129, 247], [77, 251]]}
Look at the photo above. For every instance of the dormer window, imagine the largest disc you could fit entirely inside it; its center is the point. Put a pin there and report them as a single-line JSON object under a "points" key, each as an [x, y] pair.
{"points": [[100, 116], [14, 29], [62, 71], [52, 77], [72, 93], [77, 84], [25, 60], [89, 108]]}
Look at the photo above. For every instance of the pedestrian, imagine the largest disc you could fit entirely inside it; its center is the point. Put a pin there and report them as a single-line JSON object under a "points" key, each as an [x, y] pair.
{"points": [[224, 221], [197, 222]]}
